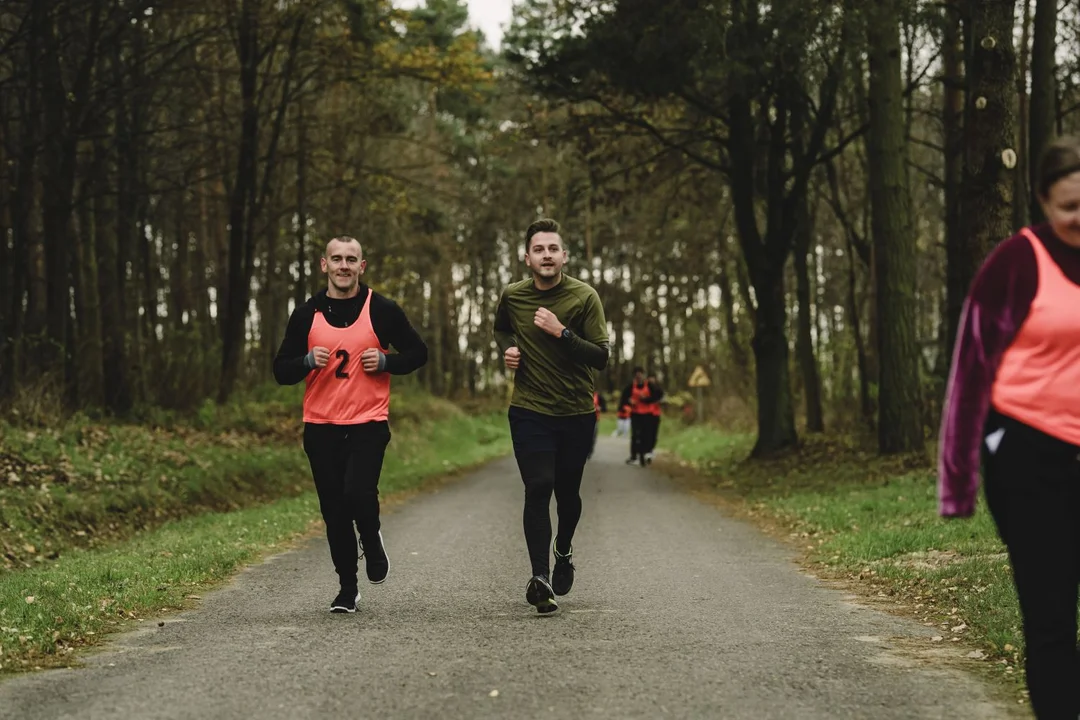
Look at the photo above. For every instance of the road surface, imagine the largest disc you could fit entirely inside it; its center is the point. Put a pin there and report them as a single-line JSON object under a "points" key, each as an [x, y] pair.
{"points": [[677, 612]]}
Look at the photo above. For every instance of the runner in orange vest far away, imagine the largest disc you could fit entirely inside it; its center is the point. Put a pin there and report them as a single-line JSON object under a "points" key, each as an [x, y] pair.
{"points": [[643, 396]]}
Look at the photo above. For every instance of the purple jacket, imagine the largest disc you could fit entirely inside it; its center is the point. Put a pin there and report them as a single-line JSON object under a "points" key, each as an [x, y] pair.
{"points": [[993, 312]]}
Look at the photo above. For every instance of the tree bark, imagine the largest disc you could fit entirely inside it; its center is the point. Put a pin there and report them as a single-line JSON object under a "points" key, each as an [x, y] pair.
{"points": [[804, 345], [232, 308], [990, 133], [1043, 114], [776, 416], [110, 279], [90, 365], [1023, 134], [952, 121], [899, 402]]}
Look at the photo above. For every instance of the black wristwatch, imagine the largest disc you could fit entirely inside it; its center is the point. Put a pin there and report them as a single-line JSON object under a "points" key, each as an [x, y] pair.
{"points": [[566, 334]]}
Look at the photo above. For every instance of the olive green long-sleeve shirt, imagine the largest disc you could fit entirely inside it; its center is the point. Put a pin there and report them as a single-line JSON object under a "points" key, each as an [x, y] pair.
{"points": [[556, 375]]}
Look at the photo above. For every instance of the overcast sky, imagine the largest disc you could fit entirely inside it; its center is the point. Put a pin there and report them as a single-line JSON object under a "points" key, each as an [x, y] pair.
{"points": [[488, 15]]}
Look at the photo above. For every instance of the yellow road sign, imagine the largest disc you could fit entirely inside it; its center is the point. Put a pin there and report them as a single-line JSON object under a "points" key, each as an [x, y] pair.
{"points": [[699, 378]]}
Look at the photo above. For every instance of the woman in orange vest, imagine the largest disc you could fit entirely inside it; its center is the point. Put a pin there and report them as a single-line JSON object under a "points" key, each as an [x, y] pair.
{"points": [[1013, 403]]}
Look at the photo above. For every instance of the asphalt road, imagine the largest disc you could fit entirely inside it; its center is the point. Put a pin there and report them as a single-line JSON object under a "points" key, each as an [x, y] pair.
{"points": [[677, 612]]}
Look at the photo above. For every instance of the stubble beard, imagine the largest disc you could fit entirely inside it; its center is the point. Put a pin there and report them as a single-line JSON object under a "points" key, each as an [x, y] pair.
{"points": [[350, 283]]}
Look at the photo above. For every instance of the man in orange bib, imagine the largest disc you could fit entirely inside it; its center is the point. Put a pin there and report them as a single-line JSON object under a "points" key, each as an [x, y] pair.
{"points": [[337, 343]]}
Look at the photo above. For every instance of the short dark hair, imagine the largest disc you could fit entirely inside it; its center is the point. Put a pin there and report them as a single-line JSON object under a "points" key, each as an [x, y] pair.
{"points": [[545, 225], [342, 239], [638, 369], [1059, 159]]}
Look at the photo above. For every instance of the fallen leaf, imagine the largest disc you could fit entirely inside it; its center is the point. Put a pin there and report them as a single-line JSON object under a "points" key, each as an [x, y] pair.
{"points": [[960, 628], [936, 638], [30, 599], [493, 693], [976, 655]]}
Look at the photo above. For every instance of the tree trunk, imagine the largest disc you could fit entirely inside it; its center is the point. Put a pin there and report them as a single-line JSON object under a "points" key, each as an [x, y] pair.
{"points": [[58, 184], [8, 304], [23, 205], [952, 122], [232, 308], [865, 401], [249, 195], [90, 365], [1043, 93], [300, 292], [110, 279], [1020, 175], [776, 415], [804, 346], [989, 132], [899, 405], [731, 328]]}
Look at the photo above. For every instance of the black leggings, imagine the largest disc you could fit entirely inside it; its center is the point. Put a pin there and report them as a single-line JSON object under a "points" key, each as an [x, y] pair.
{"points": [[346, 461], [551, 453], [644, 431], [1033, 493]]}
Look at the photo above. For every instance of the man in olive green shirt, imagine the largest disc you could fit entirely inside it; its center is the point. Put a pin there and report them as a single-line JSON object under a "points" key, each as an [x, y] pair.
{"points": [[552, 332]]}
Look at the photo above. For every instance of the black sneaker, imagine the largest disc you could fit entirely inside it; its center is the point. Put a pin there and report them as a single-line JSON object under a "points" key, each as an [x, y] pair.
{"points": [[562, 577], [346, 601], [375, 561], [539, 594]]}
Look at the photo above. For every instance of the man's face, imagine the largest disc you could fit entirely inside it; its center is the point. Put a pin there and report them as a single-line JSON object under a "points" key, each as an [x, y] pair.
{"points": [[545, 255], [639, 377], [343, 265]]}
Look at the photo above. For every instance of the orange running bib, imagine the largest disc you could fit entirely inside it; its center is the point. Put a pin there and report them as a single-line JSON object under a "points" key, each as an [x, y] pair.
{"points": [[342, 393], [1038, 381]]}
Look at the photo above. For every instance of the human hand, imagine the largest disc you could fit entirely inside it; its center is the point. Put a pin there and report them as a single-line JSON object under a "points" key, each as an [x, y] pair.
{"points": [[369, 360], [321, 356], [512, 358], [546, 321]]}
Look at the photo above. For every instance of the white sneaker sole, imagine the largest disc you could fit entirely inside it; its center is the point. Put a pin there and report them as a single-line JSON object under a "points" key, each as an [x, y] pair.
{"points": [[339, 609]]}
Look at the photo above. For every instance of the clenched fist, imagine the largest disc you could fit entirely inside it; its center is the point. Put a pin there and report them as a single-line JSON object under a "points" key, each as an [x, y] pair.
{"points": [[512, 357], [321, 356], [546, 321], [370, 360]]}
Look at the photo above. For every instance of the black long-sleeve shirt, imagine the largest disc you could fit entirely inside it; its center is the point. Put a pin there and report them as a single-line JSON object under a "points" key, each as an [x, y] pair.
{"points": [[388, 320]]}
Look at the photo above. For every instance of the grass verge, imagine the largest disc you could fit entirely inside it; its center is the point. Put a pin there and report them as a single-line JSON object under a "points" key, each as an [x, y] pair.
{"points": [[870, 523], [147, 517]]}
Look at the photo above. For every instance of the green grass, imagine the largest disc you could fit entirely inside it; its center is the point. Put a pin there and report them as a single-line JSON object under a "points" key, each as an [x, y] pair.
{"points": [[872, 522], [49, 612], [107, 523], [82, 483]]}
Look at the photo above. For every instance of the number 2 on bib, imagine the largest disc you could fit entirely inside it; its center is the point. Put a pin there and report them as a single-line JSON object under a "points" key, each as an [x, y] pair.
{"points": [[341, 372]]}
